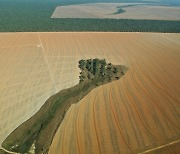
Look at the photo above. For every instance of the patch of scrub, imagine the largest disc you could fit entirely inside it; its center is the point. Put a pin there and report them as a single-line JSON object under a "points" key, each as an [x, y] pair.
{"points": [[36, 134]]}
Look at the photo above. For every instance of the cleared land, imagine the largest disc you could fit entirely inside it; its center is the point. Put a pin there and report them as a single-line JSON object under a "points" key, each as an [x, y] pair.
{"points": [[47, 120], [135, 114], [28, 77], [118, 11]]}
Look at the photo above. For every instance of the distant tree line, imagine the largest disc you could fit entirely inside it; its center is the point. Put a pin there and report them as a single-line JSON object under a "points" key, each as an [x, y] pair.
{"points": [[31, 15]]}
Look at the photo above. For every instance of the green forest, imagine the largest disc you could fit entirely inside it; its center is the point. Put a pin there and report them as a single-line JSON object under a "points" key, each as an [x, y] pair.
{"points": [[33, 16]]}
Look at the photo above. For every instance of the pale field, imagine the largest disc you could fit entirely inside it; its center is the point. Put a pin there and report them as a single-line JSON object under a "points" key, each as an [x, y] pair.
{"points": [[107, 10], [28, 77], [139, 112]]}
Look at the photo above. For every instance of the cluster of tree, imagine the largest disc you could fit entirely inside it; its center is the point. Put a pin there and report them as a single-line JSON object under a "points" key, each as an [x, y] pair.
{"points": [[93, 68]]}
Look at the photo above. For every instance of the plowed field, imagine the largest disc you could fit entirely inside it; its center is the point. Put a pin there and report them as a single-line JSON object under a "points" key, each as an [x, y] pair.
{"points": [[138, 113]]}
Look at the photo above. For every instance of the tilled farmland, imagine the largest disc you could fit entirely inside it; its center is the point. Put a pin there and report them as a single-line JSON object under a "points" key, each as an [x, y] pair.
{"points": [[118, 11], [137, 114]]}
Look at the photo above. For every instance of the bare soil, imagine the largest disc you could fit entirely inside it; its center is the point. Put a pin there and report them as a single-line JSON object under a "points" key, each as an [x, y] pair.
{"points": [[118, 11]]}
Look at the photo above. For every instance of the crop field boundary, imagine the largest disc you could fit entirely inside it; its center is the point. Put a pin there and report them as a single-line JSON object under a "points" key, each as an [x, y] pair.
{"points": [[159, 147], [41, 45], [8, 151]]}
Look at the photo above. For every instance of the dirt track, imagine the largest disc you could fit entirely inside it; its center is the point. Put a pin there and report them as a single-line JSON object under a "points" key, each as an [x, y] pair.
{"points": [[136, 114]]}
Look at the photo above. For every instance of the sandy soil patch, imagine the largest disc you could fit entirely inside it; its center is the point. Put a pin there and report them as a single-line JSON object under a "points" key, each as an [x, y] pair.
{"points": [[109, 10]]}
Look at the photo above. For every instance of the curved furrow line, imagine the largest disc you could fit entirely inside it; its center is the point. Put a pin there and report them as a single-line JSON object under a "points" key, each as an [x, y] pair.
{"points": [[159, 45], [95, 125], [138, 76], [151, 134], [155, 104], [77, 132], [63, 138], [137, 111], [151, 100], [114, 113], [136, 120], [154, 58], [106, 126], [156, 84], [169, 40], [118, 56], [162, 70], [146, 47], [166, 74], [143, 90], [164, 48], [146, 50], [79, 145]]}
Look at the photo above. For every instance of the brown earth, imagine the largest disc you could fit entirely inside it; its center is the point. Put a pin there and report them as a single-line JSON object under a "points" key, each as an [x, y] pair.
{"points": [[132, 115]]}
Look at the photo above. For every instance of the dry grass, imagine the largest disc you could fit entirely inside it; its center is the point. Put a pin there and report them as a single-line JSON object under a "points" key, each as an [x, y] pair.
{"points": [[135, 114], [108, 10]]}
